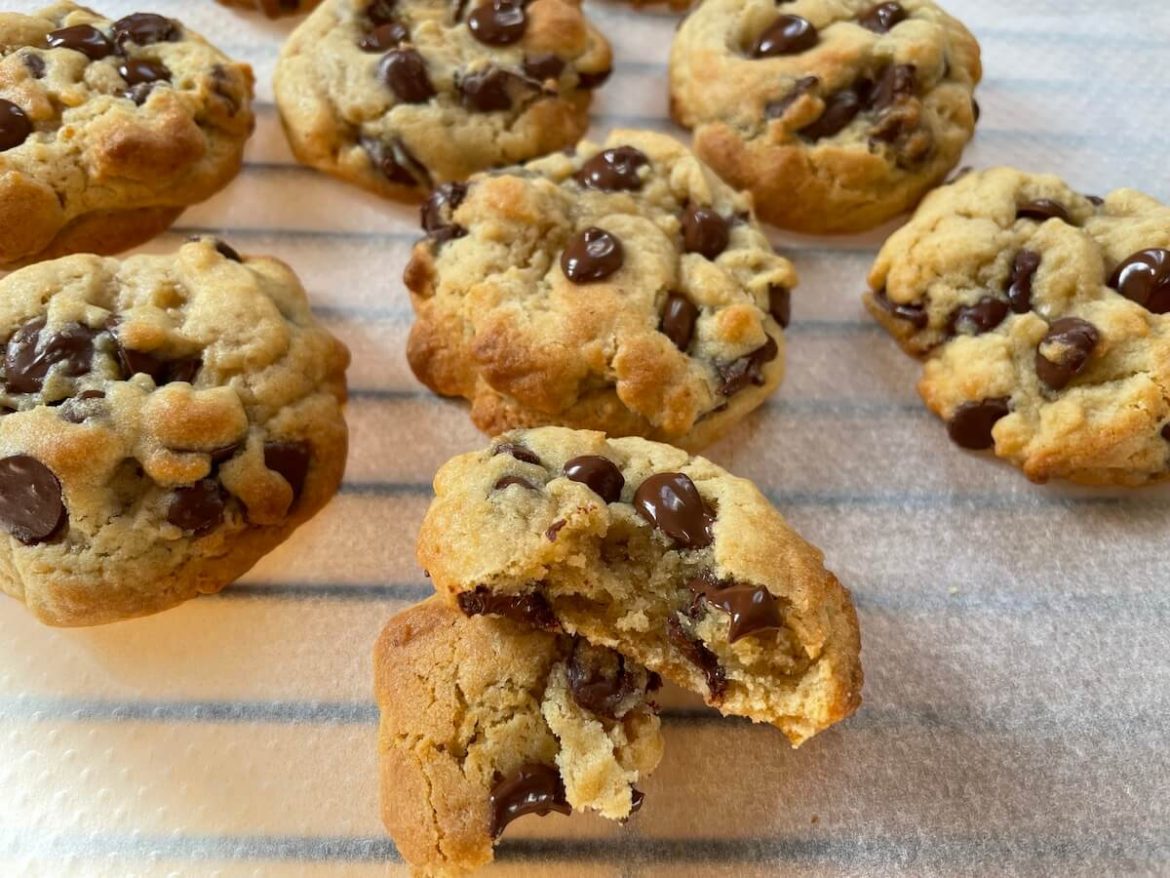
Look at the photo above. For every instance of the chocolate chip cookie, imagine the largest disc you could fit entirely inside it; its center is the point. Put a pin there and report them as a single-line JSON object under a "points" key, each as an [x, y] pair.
{"points": [[402, 96], [274, 8], [485, 720], [1043, 316], [664, 557], [108, 129], [622, 288], [164, 422], [836, 114]]}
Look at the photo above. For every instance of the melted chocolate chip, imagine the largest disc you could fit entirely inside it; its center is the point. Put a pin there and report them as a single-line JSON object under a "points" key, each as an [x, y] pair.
{"points": [[1145, 278], [591, 255], [384, 36], [83, 38], [787, 35], [840, 109], [1166, 432], [507, 481], [405, 71], [599, 474], [614, 170], [976, 110], [637, 797], [197, 508], [15, 126], [883, 17], [554, 529], [986, 314], [776, 109], [747, 370], [528, 609], [138, 71], [493, 90], [35, 64], [1095, 200], [780, 304], [1064, 352], [396, 162], [225, 453], [914, 313], [1019, 290], [970, 425], [291, 460], [752, 608], [533, 789], [599, 679], [498, 23], [381, 11], [543, 66], [694, 651], [162, 371], [897, 82], [517, 451], [227, 251], [589, 81], [76, 410], [437, 209], [31, 506], [144, 28], [678, 320], [704, 231], [32, 352], [1042, 209], [672, 503]]}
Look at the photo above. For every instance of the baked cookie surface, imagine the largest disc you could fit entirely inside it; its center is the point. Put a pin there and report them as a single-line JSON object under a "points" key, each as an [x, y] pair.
{"points": [[622, 288], [484, 720], [662, 556], [108, 129], [836, 114], [274, 8], [401, 96], [1043, 316], [164, 422]]}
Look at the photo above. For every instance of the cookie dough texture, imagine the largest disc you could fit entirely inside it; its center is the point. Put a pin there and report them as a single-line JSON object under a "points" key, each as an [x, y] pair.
{"points": [[433, 102], [611, 576], [116, 140], [188, 410], [836, 121], [274, 8], [500, 323], [467, 703], [1006, 284]]}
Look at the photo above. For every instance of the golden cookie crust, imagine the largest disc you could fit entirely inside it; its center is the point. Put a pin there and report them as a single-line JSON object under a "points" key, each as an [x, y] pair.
{"points": [[984, 272], [274, 8], [763, 122], [107, 165], [199, 374], [501, 324], [610, 576], [342, 117]]}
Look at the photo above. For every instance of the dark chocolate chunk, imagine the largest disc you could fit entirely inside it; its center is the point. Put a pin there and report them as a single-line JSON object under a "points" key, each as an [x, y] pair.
{"points": [[139, 71], [913, 313], [396, 162], [508, 481], [704, 231], [841, 108], [752, 608], [787, 35], [678, 320], [533, 789], [33, 351], [437, 209], [637, 797], [554, 529], [83, 38], [1166, 432], [498, 22], [543, 66], [897, 82], [696, 652], [529, 609], [780, 304], [291, 459], [986, 314], [405, 71], [197, 508], [1145, 278], [970, 425], [381, 11], [517, 451], [1064, 352], [15, 126], [79, 408], [613, 170], [672, 503], [144, 28], [162, 371], [31, 505], [777, 108], [599, 474], [227, 251], [738, 374], [589, 81], [493, 90], [1019, 291], [883, 17], [1042, 209], [592, 255], [598, 678], [384, 36]]}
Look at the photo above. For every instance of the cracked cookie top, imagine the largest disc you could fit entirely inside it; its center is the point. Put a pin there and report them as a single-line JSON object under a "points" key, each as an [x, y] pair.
{"points": [[1043, 315], [164, 421], [401, 95], [109, 128], [836, 114], [621, 287]]}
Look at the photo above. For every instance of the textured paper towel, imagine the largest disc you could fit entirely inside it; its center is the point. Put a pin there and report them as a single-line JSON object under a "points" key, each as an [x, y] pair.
{"points": [[1017, 712]]}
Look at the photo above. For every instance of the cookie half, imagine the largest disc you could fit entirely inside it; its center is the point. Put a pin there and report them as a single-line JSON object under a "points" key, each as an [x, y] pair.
{"points": [[109, 129], [486, 720], [662, 556], [1043, 317], [164, 422], [836, 114], [401, 96], [622, 288]]}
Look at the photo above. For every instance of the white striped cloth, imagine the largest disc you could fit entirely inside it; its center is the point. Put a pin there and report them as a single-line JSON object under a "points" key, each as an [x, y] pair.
{"points": [[1017, 703]]}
